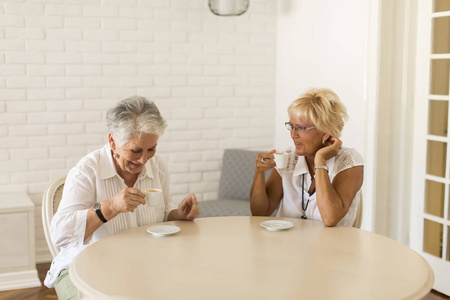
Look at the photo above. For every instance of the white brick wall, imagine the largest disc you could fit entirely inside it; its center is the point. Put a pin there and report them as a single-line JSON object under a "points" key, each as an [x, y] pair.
{"points": [[63, 64]]}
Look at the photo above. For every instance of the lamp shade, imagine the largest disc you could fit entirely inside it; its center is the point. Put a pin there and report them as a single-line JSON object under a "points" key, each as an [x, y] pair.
{"points": [[228, 7]]}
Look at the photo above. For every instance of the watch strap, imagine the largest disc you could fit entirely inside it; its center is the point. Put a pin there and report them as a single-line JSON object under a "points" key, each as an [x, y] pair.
{"points": [[97, 209]]}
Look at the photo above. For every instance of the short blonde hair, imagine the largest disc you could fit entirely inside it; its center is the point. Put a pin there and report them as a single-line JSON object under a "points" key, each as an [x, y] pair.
{"points": [[323, 108]]}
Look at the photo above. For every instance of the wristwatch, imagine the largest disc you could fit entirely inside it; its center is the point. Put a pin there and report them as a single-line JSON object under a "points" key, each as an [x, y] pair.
{"points": [[97, 210]]}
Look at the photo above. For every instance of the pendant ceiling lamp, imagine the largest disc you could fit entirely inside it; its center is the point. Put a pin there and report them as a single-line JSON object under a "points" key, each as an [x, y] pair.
{"points": [[228, 7]]}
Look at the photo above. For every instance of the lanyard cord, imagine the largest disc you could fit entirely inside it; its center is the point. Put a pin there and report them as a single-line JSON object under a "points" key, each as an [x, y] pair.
{"points": [[303, 195]]}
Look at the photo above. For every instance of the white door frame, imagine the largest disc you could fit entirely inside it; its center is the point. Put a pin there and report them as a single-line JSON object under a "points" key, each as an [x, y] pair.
{"points": [[440, 267]]}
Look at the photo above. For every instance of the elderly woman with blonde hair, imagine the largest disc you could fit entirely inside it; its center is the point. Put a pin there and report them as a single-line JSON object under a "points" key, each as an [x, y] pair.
{"points": [[322, 180]]}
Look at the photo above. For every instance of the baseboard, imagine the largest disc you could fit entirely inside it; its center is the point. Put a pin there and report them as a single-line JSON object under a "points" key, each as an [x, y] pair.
{"points": [[19, 280]]}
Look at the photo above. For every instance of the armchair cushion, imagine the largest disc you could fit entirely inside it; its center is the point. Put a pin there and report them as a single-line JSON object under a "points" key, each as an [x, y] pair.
{"points": [[224, 207], [238, 168]]}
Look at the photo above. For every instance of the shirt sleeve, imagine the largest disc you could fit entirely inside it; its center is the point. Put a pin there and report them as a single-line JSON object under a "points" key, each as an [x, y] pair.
{"points": [[347, 158], [68, 225]]}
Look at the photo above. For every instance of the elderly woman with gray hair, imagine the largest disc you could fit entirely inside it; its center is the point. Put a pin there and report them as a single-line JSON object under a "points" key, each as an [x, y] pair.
{"points": [[103, 193], [322, 180]]}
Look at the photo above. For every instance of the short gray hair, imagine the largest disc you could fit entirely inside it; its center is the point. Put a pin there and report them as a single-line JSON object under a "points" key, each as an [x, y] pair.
{"points": [[132, 116]]}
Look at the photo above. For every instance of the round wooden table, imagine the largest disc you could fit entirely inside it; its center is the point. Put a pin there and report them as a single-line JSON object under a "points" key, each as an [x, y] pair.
{"points": [[236, 258]]}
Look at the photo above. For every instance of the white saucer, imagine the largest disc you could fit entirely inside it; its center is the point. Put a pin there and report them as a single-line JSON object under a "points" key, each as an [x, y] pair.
{"points": [[276, 225], [161, 230]]}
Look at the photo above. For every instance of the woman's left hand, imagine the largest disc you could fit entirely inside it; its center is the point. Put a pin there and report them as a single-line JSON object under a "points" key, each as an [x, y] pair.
{"points": [[188, 209], [332, 146]]}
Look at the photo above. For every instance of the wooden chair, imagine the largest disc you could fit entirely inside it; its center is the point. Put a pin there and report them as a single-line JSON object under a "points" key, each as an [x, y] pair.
{"points": [[50, 202]]}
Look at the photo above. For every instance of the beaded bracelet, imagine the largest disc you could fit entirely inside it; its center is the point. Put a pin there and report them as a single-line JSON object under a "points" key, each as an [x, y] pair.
{"points": [[321, 167]]}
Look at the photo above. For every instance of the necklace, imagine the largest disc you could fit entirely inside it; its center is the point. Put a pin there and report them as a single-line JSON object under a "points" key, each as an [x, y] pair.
{"points": [[304, 207]]}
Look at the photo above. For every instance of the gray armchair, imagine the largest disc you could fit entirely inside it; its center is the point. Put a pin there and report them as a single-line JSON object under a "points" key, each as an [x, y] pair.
{"points": [[238, 168]]}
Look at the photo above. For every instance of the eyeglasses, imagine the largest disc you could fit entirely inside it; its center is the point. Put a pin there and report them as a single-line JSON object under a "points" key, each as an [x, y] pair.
{"points": [[290, 126]]}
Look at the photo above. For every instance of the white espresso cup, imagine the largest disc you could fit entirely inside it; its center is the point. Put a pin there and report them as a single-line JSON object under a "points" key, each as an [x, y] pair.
{"points": [[281, 159], [152, 196]]}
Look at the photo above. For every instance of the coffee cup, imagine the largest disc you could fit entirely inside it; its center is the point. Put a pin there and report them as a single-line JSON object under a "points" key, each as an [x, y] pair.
{"points": [[152, 196], [281, 159]]}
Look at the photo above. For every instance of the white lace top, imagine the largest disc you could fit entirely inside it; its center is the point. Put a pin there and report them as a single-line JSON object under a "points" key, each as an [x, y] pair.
{"points": [[297, 171]]}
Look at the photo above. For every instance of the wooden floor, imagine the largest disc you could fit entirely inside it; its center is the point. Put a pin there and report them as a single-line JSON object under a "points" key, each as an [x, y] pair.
{"points": [[42, 293], [39, 293]]}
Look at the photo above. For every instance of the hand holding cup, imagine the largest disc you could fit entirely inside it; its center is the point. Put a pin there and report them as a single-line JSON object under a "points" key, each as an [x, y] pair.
{"points": [[265, 162]]}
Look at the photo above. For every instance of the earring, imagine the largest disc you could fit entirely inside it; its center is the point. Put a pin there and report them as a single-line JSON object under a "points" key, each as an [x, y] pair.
{"points": [[323, 142], [115, 156]]}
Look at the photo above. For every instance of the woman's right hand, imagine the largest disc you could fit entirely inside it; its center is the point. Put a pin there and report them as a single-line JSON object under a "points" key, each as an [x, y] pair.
{"points": [[265, 161], [127, 200]]}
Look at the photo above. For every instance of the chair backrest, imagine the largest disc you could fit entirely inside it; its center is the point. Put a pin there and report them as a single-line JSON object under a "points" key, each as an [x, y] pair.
{"points": [[50, 202], [359, 213], [238, 168]]}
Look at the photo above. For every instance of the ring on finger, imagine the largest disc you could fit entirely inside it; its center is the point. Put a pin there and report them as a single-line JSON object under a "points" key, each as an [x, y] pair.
{"points": [[263, 160]]}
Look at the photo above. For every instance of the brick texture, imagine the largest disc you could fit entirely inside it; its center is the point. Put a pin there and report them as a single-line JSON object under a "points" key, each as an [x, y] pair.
{"points": [[64, 63]]}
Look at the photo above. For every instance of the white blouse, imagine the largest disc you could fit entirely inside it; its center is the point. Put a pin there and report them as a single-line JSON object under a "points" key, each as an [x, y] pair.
{"points": [[92, 180], [297, 171]]}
